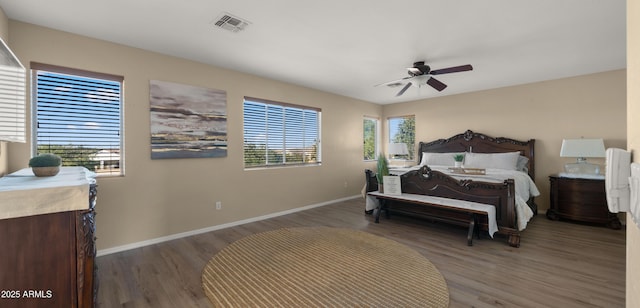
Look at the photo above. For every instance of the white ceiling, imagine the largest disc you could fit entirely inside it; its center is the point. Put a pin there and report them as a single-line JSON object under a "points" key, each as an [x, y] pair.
{"points": [[348, 46]]}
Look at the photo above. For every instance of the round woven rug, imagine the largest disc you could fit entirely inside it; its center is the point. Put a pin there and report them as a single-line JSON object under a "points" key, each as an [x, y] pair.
{"points": [[320, 267]]}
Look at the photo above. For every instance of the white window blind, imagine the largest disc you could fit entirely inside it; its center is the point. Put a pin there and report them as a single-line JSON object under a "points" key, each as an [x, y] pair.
{"points": [[277, 134], [12, 97], [78, 116]]}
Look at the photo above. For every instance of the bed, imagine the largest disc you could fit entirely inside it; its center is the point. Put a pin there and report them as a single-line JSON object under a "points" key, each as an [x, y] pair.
{"points": [[499, 159]]}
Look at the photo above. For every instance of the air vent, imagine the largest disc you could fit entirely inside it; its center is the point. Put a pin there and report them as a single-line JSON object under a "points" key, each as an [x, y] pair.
{"points": [[231, 23]]}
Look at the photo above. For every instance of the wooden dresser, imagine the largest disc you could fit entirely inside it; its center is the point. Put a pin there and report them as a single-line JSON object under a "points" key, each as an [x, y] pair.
{"points": [[581, 200], [48, 259]]}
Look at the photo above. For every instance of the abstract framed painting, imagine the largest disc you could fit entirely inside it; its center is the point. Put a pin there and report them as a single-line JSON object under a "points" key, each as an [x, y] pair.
{"points": [[187, 121]]}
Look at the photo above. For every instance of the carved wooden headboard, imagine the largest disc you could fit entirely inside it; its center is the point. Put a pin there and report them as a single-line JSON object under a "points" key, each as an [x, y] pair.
{"points": [[480, 143]]}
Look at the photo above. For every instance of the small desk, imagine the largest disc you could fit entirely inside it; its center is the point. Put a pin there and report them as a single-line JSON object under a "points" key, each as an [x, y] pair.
{"points": [[472, 208]]}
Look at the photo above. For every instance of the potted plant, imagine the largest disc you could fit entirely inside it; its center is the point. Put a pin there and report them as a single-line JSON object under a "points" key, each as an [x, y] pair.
{"points": [[458, 158], [383, 170], [46, 164]]}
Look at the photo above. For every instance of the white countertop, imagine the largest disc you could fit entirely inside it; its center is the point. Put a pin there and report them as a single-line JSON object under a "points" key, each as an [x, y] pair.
{"points": [[581, 176], [24, 194]]}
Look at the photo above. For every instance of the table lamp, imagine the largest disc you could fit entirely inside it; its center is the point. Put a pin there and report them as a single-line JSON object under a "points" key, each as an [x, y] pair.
{"points": [[581, 149], [398, 150]]}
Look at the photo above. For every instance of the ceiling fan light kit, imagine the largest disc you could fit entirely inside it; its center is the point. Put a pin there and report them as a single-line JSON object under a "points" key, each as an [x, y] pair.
{"points": [[419, 71]]}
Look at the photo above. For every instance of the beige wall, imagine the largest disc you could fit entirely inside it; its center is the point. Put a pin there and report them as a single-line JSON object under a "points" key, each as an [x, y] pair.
{"points": [[633, 144], [590, 106], [158, 198]]}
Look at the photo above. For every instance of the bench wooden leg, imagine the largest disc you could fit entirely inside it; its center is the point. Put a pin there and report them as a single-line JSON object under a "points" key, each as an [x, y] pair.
{"points": [[378, 210], [472, 229]]}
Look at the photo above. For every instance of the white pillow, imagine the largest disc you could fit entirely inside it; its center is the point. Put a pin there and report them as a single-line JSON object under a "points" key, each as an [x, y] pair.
{"points": [[506, 161], [438, 159], [522, 163]]}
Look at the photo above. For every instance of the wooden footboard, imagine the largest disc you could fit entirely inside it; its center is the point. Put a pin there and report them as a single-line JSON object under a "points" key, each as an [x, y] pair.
{"points": [[434, 183]]}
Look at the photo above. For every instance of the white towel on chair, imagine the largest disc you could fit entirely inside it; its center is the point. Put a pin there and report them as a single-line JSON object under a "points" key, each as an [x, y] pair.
{"points": [[617, 179]]}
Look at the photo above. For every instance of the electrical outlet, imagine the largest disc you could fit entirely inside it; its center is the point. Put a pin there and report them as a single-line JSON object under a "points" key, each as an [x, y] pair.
{"points": [[346, 184], [218, 205]]}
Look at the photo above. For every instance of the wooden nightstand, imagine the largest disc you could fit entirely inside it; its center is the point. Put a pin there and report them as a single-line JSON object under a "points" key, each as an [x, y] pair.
{"points": [[580, 199]]}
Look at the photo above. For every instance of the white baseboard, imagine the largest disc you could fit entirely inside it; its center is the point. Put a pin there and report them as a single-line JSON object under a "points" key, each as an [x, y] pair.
{"points": [[117, 249]]}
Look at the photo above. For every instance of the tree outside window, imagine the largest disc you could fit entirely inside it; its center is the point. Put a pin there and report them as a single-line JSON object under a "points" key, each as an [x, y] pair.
{"points": [[403, 130], [370, 129]]}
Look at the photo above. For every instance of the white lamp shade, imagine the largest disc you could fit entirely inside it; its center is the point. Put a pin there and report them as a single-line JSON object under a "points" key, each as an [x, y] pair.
{"points": [[582, 148], [398, 149]]}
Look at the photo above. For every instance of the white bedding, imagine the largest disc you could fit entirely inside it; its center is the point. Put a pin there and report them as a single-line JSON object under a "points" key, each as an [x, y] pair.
{"points": [[524, 186]]}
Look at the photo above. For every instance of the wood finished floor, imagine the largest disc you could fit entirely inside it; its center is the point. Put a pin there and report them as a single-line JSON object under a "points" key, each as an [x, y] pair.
{"points": [[559, 264]]}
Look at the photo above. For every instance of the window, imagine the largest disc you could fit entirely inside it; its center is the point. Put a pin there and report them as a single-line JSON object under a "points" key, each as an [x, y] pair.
{"points": [[403, 130], [278, 134], [12, 98], [370, 129], [77, 115]]}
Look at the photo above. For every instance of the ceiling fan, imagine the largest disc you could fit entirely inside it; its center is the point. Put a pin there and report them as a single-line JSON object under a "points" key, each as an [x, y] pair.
{"points": [[419, 72]]}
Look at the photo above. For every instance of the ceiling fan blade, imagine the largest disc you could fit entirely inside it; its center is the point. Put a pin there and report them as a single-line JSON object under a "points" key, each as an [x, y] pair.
{"points": [[454, 69], [404, 89], [393, 81], [436, 84]]}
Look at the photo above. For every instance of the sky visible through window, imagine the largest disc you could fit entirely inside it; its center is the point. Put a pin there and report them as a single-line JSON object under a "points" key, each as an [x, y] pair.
{"points": [[79, 119], [75, 110], [394, 127]]}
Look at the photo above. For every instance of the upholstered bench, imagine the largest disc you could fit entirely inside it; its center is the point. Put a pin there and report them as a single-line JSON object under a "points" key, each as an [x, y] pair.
{"points": [[473, 209]]}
